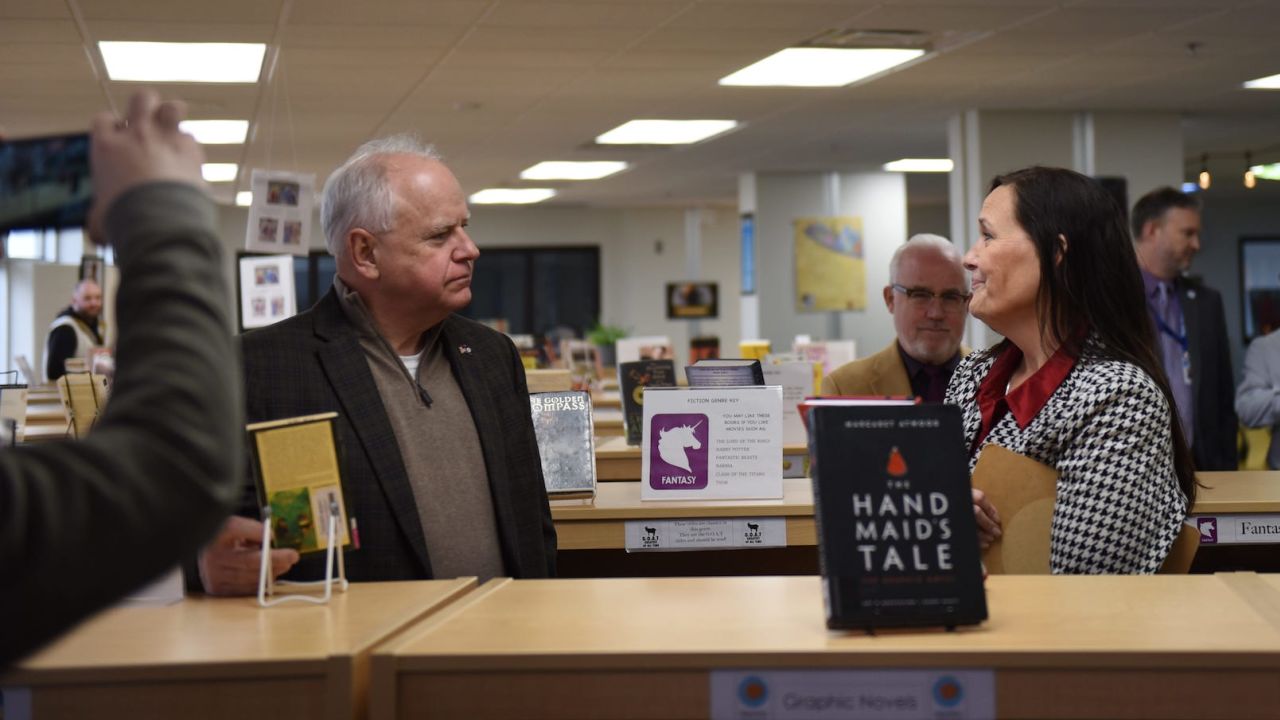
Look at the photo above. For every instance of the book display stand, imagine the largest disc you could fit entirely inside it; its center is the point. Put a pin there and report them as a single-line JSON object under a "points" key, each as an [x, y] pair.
{"points": [[267, 586], [83, 395]]}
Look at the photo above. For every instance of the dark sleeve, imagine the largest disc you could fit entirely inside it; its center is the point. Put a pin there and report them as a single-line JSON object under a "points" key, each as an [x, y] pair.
{"points": [[84, 523], [1225, 418], [62, 345], [529, 440]]}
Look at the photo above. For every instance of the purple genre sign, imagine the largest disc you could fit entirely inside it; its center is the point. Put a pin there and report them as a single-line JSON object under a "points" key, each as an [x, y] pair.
{"points": [[679, 445], [1208, 527]]}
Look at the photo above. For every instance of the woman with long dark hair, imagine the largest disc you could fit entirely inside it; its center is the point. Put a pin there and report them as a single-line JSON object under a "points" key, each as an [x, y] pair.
{"points": [[1076, 384]]}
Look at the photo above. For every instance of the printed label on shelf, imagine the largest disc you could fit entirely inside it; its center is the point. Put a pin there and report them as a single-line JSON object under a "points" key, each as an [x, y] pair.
{"points": [[705, 534], [1238, 529], [853, 694]]}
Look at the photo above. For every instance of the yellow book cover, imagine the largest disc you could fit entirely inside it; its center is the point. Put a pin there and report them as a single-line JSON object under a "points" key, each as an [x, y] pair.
{"points": [[295, 462]]}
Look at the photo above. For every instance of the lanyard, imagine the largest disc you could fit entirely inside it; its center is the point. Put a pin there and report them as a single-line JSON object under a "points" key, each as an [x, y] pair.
{"points": [[1180, 338]]}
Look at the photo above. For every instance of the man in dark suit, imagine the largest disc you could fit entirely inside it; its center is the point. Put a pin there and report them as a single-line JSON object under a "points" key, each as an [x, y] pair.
{"points": [[1190, 325], [439, 459]]}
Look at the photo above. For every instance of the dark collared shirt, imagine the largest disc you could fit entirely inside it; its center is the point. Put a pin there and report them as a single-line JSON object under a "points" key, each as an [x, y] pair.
{"points": [[921, 375]]}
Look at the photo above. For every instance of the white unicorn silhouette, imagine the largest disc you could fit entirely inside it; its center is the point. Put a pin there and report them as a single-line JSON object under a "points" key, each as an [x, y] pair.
{"points": [[673, 441]]}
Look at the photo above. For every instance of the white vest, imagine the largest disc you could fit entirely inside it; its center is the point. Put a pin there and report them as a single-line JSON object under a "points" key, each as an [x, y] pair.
{"points": [[84, 338]]}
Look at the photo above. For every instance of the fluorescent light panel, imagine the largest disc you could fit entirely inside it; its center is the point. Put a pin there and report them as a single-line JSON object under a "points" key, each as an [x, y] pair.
{"points": [[218, 172], [216, 132], [244, 198], [566, 170], [183, 62], [665, 132], [934, 165], [819, 67], [1271, 82], [512, 196]]}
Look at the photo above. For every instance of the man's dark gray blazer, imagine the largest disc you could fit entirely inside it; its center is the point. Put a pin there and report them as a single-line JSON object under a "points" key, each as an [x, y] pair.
{"points": [[313, 363], [1213, 384]]}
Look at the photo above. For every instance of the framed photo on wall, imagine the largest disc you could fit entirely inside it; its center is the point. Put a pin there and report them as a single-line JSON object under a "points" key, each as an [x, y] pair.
{"points": [[91, 268], [1259, 285], [693, 300]]}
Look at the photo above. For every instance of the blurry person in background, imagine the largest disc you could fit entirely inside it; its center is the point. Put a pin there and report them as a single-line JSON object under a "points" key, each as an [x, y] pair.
{"points": [[1191, 328], [928, 296], [77, 331]]}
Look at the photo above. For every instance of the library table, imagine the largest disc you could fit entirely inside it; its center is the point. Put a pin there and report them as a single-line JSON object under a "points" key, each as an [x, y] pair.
{"points": [[593, 533], [607, 422], [1238, 515], [224, 657], [44, 411], [1171, 646]]}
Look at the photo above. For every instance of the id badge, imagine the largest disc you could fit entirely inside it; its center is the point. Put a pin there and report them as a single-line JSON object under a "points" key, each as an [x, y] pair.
{"points": [[1186, 367]]}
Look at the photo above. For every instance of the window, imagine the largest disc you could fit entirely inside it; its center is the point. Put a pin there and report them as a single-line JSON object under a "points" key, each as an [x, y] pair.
{"points": [[537, 289]]}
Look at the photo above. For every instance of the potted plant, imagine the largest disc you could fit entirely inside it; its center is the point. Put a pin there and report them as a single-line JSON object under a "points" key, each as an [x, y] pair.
{"points": [[605, 337]]}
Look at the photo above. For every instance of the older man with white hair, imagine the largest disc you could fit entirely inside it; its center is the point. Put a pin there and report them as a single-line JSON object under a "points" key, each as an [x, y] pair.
{"points": [[439, 460], [928, 296]]}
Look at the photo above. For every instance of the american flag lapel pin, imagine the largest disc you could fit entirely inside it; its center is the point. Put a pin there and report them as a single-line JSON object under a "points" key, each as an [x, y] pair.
{"points": [[464, 349]]}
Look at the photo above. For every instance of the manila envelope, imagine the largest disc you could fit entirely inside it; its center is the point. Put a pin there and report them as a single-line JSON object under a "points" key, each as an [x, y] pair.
{"points": [[1023, 491]]}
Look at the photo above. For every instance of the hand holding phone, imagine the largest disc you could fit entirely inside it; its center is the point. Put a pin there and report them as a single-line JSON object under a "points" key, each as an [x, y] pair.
{"points": [[145, 146]]}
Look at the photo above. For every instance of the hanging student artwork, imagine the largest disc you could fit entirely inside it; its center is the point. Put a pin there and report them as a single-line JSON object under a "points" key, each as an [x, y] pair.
{"points": [[280, 213]]}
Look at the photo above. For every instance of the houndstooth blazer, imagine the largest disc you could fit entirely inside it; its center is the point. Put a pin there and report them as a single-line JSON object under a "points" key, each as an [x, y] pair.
{"points": [[1106, 430]]}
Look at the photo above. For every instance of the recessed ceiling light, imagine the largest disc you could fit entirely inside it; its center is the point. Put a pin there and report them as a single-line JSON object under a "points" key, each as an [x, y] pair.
{"points": [[216, 132], [1271, 82], [219, 172], [820, 67], [665, 132], [244, 198], [511, 196], [566, 170], [1267, 172], [183, 62], [936, 165]]}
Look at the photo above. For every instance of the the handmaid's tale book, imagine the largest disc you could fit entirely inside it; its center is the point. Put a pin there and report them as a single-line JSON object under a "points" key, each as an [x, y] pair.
{"points": [[295, 463]]}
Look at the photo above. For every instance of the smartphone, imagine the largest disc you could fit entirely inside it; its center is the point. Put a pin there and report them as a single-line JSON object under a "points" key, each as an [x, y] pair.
{"points": [[44, 182]]}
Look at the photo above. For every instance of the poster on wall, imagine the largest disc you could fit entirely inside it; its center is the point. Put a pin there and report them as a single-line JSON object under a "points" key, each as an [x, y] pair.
{"points": [[266, 290], [1260, 285], [280, 215], [830, 271]]}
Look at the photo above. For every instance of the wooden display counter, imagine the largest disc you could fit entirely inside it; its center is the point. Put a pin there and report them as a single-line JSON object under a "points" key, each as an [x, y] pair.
{"points": [[607, 422], [225, 657], [1238, 515], [598, 524], [1058, 647]]}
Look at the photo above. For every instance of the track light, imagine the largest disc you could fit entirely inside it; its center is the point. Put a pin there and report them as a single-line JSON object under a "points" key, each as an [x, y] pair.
{"points": [[1205, 179]]}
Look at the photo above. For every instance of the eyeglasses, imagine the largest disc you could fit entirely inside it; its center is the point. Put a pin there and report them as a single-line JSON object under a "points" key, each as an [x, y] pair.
{"points": [[920, 298]]}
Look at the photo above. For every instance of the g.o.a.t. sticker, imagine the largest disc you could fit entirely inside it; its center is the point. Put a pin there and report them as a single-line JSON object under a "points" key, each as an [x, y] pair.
{"points": [[679, 445]]}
